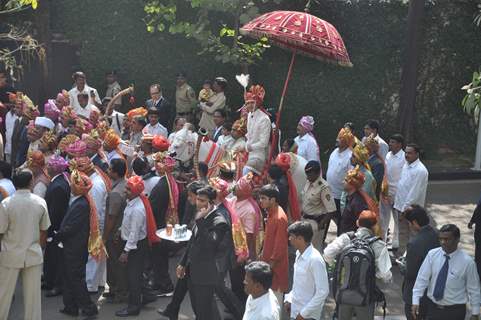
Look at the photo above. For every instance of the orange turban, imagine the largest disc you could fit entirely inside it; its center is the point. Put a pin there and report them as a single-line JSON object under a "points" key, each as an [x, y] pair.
{"points": [[256, 93], [67, 113], [36, 159], [136, 185], [283, 161], [221, 186], [160, 143], [137, 112], [80, 183], [112, 140], [355, 178], [147, 138], [82, 164], [240, 126], [346, 136]]}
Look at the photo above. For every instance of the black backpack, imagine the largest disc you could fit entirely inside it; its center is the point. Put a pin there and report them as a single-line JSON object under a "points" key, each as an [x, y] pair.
{"points": [[354, 281]]}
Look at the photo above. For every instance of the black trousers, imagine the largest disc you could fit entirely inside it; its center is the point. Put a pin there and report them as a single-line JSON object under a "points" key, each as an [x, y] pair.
{"points": [[180, 291], [53, 265], [75, 293], [228, 298], [160, 264], [450, 313], [135, 266], [477, 248], [237, 275], [202, 299], [116, 271]]}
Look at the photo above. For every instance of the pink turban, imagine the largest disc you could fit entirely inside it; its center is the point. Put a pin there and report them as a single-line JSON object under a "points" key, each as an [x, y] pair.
{"points": [[243, 187], [77, 149], [51, 110], [307, 122], [221, 186], [57, 163]]}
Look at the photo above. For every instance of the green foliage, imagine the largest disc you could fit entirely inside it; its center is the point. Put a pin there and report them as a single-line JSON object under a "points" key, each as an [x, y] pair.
{"points": [[111, 34], [472, 100], [196, 19]]}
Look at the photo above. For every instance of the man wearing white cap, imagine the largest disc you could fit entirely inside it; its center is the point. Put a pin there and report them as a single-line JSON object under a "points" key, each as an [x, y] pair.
{"points": [[42, 125]]}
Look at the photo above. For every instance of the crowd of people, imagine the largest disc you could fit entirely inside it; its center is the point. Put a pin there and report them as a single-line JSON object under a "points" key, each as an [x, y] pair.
{"points": [[91, 195]]}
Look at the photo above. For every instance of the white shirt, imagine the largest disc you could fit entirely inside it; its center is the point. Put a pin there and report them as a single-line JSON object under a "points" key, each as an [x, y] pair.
{"points": [[225, 140], [383, 146], [99, 196], [40, 189], [394, 166], [74, 92], [149, 184], [383, 261], [411, 188], [10, 118], [265, 307], [462, 281], [311, 285], [258, 134], [157, 130], [134, 226], [117, 125], [85, 112], [7, 185], [307, 147], [338, 166]]}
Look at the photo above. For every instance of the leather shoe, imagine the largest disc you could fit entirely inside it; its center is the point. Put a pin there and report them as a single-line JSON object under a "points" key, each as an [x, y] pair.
{"points": [[168, 313], [53, 293], [127, 312], [69, 312]]}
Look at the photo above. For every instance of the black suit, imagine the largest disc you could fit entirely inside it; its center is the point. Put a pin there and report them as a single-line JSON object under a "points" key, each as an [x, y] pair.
{"points": [[164, 111], [159, 200], [17, 141], [74, 235], [417, 248], [57, 197], [476, 219], [201, 260], [99, 162]]}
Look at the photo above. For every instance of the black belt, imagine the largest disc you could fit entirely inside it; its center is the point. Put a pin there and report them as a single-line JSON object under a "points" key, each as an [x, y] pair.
{"points": [[312, 217], [450, 307]]}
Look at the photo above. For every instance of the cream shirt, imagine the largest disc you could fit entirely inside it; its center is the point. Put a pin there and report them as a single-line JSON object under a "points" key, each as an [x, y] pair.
{"points": [[22, 217]]}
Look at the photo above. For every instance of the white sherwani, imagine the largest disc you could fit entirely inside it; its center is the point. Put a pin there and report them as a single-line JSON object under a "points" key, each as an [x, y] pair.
{"points": [[257, 144], [96, 271]]}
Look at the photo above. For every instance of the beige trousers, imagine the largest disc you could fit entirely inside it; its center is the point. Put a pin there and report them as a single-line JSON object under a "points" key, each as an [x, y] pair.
{"points": [[31, 278]]}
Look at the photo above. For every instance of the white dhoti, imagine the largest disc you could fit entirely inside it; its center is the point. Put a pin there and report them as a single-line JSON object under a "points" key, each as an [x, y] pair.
{"points": [[95, 274]]}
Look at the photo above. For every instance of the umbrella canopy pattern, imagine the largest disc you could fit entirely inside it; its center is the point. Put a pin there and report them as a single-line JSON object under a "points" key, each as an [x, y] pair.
{"points": [[302, 33]]}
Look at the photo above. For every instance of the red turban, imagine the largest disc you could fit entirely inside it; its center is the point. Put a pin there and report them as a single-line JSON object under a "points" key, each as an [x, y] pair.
{"points": [[221, 186], [160, 143], [243, 188], [256, 93], [283, 160], [136, 185]]}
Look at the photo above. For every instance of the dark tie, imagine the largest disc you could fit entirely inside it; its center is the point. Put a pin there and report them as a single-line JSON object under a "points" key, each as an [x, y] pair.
{"points": [[438, 292]]}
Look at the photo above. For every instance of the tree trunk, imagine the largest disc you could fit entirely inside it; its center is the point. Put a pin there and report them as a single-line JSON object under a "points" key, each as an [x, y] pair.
{"points": [[409, 69]]}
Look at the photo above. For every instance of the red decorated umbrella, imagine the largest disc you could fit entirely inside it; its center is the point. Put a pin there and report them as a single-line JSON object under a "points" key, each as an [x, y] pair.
{"points": [[301, 33]]}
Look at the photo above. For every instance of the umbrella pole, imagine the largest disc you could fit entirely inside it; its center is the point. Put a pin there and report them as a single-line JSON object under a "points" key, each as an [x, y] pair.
{"points": [[275, 133]]}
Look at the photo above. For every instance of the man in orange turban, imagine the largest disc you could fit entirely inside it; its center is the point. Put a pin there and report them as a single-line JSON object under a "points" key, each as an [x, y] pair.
{"points": [[81, 217], [164, 198], [360, 156], [41, 180], [355, 201], [111, 144], [160, 143], [137, 231], [258, 131], [101, 185], [94, 150]]}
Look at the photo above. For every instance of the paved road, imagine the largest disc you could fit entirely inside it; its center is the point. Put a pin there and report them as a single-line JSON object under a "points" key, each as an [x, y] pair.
{"points": [[448, 202]]}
